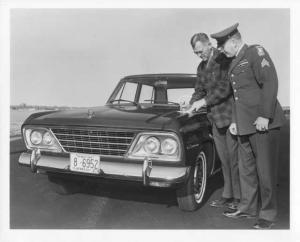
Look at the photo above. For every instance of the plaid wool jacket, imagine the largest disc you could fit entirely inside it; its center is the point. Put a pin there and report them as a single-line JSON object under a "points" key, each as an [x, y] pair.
{"points": [[213, 85]]}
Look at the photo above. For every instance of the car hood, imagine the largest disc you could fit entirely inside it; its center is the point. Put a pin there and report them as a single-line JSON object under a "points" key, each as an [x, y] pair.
{"points": [[136, 117]]}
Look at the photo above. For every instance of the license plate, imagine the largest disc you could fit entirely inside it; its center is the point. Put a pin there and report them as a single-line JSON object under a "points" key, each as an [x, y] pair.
{"points": [[85, 163]]}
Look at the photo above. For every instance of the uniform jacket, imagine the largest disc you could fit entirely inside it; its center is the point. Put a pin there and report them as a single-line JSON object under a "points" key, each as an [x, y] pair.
{"points": [[254, 82], [213, 85]]}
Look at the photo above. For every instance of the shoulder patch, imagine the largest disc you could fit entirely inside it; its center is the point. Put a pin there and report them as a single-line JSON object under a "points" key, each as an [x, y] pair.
{"points": [[260, 50]]}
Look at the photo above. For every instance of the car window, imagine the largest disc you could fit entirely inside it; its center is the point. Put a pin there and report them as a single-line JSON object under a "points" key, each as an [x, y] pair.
{"points": [[127, 91], [147, 94], [178, 95]]}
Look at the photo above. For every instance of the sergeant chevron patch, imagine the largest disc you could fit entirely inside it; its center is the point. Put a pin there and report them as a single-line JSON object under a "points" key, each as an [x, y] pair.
{"points": [[264, 63]]}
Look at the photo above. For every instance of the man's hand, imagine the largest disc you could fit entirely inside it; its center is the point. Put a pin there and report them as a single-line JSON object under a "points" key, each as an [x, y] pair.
{"points": [[184, 106], [233, 129], [262, 124], [198, 104], [195, 106]]}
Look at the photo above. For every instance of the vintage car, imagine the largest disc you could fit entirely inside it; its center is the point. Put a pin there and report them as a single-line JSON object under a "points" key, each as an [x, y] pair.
{"points": [[140, 135]]}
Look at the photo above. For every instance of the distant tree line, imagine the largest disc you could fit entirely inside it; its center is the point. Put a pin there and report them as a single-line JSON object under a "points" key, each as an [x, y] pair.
{"points": [[40, 107]]}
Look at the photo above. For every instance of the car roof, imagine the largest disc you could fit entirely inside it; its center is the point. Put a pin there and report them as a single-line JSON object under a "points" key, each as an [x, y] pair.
{"points": [[170, 80], [162, 75]]}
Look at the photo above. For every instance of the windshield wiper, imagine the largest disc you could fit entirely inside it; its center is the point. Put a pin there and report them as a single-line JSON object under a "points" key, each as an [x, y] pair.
{"points": [[123, 100]]}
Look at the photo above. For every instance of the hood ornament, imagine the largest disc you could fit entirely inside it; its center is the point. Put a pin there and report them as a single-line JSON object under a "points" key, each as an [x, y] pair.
{"points": [[91, 114]]}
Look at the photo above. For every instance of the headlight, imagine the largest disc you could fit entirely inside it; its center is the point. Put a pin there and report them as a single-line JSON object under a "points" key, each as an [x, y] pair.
{"points": [[40, 138], [47, 139], [158, 146], [36, 137], [151, 145], [169, 146]]}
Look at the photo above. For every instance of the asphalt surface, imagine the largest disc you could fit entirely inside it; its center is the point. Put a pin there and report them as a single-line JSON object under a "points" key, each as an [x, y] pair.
{"points": [[33, 204]]}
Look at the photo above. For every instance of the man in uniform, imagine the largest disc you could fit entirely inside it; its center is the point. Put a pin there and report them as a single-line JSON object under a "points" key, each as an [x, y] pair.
{"points": [[213, 90], [257, 118]]}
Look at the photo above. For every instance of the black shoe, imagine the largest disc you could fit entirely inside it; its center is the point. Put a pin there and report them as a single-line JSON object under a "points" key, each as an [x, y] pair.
{"points": [[263, 224], [220, 203], [234, 204], [237, 214]]}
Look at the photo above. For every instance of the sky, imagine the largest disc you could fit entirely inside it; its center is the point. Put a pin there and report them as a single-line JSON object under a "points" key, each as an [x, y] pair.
{"points": [[76, 57]]}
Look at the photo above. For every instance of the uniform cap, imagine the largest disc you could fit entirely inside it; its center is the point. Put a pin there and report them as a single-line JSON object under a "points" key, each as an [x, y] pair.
{"points": [[225, 34]]}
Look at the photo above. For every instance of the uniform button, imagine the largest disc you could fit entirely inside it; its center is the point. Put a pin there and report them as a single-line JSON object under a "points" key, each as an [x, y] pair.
{"points": [[233, 83], [234, 90], [236, 98]]}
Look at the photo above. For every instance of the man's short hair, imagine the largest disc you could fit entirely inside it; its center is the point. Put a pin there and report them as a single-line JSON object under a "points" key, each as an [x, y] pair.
{"points": [[202, 37]]}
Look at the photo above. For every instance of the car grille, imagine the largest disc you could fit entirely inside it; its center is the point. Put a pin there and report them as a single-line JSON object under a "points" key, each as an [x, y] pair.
{"points": [[102, 142]]}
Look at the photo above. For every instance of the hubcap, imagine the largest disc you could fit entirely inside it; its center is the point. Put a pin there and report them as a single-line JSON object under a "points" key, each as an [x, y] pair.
{"points": [[200, 177]]}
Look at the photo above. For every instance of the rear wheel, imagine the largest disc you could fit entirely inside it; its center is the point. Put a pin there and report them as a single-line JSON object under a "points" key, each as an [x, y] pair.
{"points": [[190, 196], [63, 186]]}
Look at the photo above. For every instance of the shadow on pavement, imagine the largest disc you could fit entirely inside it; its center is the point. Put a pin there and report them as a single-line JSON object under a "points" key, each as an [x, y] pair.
{"points": [[131, 191]]}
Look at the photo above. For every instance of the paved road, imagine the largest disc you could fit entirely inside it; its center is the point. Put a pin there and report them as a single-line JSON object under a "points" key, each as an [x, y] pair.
{"points": [[33, 205]]}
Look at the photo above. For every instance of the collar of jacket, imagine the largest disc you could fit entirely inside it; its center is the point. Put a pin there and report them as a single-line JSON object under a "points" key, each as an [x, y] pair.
{"points": [[212, 59], [237, 59]]}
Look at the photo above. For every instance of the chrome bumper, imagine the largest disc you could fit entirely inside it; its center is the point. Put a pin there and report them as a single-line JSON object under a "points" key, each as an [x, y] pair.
{"points": [[150, 175]]}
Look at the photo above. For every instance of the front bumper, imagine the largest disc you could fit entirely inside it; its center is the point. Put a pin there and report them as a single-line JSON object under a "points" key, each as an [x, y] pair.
{"points": [[148, 174]]}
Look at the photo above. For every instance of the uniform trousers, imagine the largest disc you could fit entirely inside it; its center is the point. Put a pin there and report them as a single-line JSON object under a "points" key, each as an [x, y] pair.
{"points": [[227, 148], [258, 165]]}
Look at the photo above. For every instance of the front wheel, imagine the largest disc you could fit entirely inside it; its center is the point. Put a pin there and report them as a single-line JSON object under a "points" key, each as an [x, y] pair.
{"points": [[190, 196]]}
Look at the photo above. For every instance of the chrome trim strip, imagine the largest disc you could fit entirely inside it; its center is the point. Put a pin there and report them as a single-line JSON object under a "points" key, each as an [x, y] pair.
{"points": [[94, 136], [66, 140], [62, 148], [69, 146]]}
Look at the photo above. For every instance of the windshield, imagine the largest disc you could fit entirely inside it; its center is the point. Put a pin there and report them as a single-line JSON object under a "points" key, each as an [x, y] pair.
{"points": [[155, 92]]}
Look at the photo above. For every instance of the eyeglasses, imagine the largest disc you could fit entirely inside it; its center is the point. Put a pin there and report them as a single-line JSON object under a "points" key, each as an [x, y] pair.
{"points": [[198, 52]]}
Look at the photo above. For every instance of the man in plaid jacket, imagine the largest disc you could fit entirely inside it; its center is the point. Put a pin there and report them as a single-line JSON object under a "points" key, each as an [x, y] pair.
{"points": [[213, 90]]}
